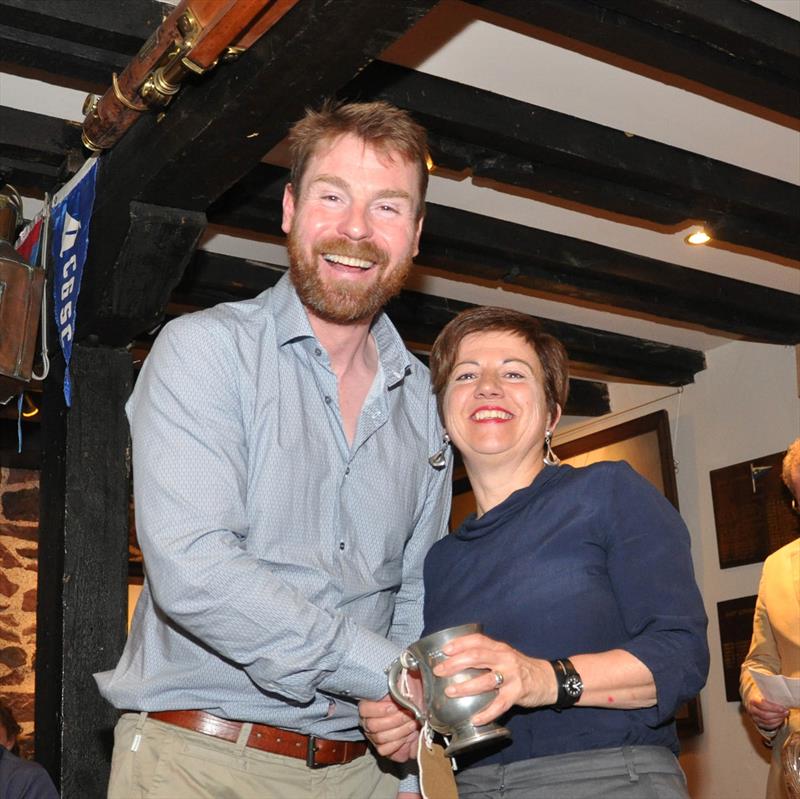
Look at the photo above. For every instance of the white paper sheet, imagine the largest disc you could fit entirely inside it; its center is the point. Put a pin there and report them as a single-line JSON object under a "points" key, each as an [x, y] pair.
{"points": [[777, 688]]}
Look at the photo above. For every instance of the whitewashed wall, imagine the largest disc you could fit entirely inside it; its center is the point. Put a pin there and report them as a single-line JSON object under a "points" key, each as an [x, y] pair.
{"points": [[742, 406]]}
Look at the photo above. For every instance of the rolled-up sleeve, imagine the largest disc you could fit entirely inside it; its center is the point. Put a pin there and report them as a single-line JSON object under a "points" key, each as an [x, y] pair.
{"points": [[651, 571]]}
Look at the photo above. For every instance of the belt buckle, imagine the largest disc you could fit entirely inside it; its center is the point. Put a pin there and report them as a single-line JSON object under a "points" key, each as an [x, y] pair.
{"points": [[311, 752]]}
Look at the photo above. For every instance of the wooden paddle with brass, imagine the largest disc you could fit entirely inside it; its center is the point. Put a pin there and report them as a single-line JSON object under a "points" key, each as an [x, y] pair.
{"points": [[191, 40]]}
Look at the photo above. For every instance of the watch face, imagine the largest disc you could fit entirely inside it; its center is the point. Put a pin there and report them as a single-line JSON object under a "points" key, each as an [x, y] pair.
{"points": [[573, 686]]}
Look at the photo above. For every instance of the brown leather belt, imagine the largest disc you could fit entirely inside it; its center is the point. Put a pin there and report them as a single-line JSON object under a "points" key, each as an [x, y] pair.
{"points": [[315, 751]]}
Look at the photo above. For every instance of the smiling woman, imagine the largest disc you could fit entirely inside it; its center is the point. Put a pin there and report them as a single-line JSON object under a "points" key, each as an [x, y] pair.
{"points": [[581, 578], [498, 402], [495, 401], [500, 383]]}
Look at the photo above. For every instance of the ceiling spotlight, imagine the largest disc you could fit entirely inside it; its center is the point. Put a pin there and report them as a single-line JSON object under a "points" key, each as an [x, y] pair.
{"points": [[699, 235]]}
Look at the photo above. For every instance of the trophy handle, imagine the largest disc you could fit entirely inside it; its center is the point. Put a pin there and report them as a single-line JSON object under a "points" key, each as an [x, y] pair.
{"points": [[405, 661]]}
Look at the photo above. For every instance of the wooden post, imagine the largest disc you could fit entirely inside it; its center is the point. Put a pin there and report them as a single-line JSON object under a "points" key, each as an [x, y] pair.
{"points": [[83, 559]]}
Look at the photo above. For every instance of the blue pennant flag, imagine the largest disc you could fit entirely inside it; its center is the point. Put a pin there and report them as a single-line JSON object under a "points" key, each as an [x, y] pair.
{"points": [[71, 214]]}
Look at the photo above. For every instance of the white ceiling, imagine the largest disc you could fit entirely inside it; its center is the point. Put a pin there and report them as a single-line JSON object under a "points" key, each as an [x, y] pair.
{"points": [[459, 42]]}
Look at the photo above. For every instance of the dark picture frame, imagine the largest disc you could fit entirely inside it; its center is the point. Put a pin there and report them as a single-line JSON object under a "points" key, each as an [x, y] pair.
{"points": [[735, 634], [753, 513], [643, 442]]}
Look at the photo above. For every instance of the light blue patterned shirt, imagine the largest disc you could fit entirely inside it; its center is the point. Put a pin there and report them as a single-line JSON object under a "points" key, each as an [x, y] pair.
{"points": [[284, 567]]}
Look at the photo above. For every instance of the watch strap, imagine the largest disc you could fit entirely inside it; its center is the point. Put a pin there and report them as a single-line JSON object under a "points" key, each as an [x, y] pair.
{"points": [[570, 685]]}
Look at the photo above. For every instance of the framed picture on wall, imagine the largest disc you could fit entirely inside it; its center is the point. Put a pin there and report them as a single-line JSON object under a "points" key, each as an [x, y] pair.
{"points": [[752, 510], [735, 633], [644, 443]]}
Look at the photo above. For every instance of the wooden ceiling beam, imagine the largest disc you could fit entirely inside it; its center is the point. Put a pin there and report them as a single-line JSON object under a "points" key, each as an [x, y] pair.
{"points": [[420, 317], [466, 244], [213, 278], [37, 152], [739, 48], [75, 40], [563, 266], [536, 148]]}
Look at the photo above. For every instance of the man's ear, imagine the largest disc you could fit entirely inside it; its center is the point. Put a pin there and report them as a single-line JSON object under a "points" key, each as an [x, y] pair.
{"points": [[288, 208], [417, 234]]}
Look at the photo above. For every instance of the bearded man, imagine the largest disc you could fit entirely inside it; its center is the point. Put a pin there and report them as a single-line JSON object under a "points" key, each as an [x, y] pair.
{"points": [[284, 497]]}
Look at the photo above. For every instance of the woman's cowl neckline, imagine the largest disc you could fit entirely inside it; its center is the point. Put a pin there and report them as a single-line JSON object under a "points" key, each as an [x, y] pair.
{"points": [[473, 527]]}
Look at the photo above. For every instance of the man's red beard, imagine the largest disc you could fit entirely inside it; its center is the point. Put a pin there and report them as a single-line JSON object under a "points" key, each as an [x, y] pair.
{"points": [[343, 301]]}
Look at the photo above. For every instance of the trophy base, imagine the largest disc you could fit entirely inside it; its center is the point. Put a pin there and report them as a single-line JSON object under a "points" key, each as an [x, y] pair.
{"points": [[476, 736]]}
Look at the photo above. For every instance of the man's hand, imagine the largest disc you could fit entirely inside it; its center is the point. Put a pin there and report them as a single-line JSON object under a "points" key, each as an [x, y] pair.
{"points": [[391, 729], [767, 715]]}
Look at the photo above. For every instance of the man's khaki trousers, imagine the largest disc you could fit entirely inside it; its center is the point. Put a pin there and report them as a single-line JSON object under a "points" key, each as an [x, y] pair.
{"points": [[153, 760]]}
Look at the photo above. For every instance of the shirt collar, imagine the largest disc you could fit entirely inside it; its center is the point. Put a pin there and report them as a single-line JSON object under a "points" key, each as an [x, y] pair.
{"points": [[292, 323], [291, 319]]}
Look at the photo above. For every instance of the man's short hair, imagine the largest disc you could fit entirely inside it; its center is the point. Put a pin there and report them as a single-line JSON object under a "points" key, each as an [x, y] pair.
{"points": [[383, 126], [791, 467]]}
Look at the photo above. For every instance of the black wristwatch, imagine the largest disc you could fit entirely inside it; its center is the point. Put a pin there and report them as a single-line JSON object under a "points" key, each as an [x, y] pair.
{"points": [[570, 684]]}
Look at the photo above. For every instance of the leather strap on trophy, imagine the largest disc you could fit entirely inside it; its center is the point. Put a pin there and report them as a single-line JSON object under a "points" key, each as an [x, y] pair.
{"points": [[191, 40]]}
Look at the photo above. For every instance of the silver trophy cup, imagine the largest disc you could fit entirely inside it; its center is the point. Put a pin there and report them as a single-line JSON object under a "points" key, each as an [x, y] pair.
{"points": [[449, 716]]}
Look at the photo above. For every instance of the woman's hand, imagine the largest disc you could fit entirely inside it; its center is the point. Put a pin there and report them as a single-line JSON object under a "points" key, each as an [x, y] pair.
{"points": [[526, 681], [392, 729], [767, 715], [614, 679]]}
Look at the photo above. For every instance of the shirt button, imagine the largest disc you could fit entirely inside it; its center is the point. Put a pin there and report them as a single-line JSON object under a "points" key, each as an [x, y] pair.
{"points": [[328, 400], [341, 545], [347, 470], [317, 352]]}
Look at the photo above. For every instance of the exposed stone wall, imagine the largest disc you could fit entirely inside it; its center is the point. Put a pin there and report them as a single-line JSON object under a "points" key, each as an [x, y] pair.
{"points": [[19, 540]]}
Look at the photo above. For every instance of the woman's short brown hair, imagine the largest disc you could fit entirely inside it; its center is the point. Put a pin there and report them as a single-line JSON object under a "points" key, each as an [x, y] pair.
{"points": [[383, 126], [549, 350]]}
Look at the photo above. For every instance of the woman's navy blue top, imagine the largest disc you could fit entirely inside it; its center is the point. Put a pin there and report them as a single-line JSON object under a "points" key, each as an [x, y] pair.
{"points": [[581, 561]]}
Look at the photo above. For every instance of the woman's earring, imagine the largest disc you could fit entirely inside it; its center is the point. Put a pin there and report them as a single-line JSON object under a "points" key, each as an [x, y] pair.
{"points": [[437, 460], [550, 457]]}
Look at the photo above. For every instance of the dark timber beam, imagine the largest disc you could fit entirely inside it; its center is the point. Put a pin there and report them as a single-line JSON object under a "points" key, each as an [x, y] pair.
{"points": [[158, 244], [587, 398], [419, 318], [535, 148], [220, 126], [466, 244], [508, 253], [83, 560], [736, 47], [80, 40], [37, 152]]}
